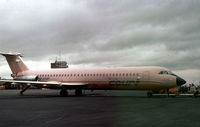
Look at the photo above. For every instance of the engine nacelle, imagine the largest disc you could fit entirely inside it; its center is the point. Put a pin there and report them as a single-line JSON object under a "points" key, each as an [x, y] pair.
{"points": [[27, 78]]}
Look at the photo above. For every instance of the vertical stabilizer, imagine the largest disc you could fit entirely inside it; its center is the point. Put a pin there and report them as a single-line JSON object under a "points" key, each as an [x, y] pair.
{"points": [[15, 62]]}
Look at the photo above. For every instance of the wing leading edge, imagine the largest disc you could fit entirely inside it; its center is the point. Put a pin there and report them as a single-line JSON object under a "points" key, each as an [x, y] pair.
{"points": [[44, 83]]}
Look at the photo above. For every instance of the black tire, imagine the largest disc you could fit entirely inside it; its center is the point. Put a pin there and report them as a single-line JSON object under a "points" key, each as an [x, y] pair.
{"points": [[78, 92], [63, 93]]}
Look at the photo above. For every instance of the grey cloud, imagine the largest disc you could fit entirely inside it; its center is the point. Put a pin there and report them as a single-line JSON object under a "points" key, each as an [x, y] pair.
{"points": [[104, 33]]}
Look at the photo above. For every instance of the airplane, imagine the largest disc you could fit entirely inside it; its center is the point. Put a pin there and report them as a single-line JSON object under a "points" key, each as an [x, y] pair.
{"points": [[150, 78]]}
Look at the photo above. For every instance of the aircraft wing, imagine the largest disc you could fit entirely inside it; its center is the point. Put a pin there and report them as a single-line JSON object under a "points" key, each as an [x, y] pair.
{"points": [[49, 83]]}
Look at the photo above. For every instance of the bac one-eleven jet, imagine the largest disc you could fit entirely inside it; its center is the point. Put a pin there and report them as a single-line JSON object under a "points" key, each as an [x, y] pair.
{"points": [[116, 78]]}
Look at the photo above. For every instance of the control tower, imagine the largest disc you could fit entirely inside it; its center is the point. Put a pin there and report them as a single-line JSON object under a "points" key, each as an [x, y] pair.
{"points": [[59, 64]]}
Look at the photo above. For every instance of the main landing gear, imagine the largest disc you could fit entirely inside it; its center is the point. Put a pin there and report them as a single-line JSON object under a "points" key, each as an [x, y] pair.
{"points": [[78, 92], [64, 93]]}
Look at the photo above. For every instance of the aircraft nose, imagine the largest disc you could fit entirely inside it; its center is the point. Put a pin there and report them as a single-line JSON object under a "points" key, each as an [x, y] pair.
{"points": [[180, 81]]}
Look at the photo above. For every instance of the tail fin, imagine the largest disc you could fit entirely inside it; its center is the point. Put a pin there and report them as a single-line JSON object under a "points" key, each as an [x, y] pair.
{"points": [[15, 62]]}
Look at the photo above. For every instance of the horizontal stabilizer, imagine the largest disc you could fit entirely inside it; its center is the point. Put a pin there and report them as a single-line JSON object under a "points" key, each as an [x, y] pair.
{"points": [[10, 54]]}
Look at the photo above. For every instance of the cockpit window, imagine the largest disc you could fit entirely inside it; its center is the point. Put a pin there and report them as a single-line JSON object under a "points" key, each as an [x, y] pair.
{"points": [[166, 72], [171, 73], [163, 72]]}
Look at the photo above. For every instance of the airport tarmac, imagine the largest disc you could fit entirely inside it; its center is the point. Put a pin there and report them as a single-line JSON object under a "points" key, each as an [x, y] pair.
{"points": [[45, 108]]}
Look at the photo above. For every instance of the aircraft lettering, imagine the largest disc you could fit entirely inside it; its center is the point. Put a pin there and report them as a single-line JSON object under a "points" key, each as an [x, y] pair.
{"points": [[124, 83]]}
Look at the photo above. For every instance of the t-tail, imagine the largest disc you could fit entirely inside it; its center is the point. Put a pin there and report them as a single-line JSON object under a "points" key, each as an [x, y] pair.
{"points": [[16, 63]]}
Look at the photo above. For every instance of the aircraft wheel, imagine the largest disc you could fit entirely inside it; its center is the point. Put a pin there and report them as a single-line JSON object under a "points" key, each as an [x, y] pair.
{"points": [[78, 92], [63, 93]]}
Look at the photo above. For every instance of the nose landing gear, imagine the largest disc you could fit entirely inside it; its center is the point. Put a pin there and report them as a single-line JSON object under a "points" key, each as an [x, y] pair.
{"points": [[149, 94]]}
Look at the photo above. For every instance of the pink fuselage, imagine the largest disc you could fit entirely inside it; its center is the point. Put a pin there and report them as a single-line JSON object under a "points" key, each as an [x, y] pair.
{"points": [[120, 78]]}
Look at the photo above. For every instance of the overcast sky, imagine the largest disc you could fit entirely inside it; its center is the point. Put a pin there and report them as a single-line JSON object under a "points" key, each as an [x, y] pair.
{"points": [[93, 33]]}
